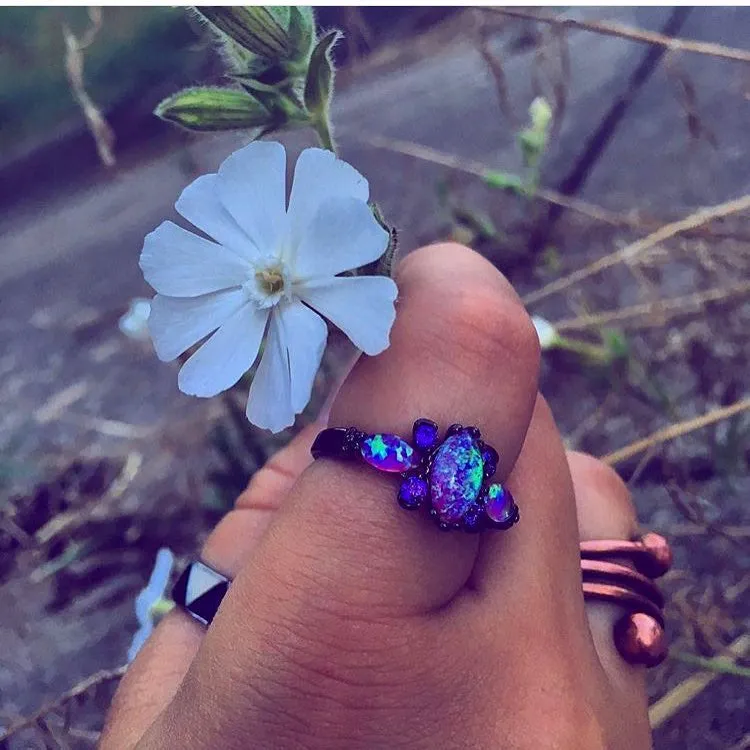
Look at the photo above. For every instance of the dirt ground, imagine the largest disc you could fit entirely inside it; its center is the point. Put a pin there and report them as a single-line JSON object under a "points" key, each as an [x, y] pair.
{"points": [[103, 460]]}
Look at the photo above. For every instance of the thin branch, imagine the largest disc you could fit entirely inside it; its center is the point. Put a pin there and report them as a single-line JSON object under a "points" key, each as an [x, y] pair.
{"points": [[676, 430], [674, 306], [609, 28], [495, 67], [632, 251], [476, 168], [722, 666], [677, 698], [92, 681]]}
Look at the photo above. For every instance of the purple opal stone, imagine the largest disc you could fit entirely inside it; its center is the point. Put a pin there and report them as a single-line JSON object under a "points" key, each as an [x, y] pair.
{"points": [[425, 434], [412, 492], [500, 504], [456, 476], [387, 452]]}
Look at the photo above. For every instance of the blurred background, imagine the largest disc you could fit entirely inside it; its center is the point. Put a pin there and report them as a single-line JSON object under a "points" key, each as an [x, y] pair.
{"points": [[103, 461]]}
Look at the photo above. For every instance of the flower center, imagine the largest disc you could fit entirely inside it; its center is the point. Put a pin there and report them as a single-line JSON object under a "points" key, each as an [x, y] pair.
{"points": [[269, 284], [270, 280]]}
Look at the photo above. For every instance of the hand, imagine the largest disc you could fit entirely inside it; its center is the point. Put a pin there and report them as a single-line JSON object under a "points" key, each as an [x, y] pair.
{"points": [[352, 624]]}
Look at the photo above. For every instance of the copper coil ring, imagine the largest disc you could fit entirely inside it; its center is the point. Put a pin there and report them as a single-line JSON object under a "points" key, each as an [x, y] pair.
{"points": [[650, 554], [603, 571]]}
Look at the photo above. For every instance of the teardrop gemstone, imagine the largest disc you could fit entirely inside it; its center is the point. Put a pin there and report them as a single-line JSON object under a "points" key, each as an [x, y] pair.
{"points": [[500, 504], [456, 476], [387, 452]]}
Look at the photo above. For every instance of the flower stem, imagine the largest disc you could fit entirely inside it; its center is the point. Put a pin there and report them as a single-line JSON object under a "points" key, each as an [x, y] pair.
{"points": [[324, 132], [591, 351]]}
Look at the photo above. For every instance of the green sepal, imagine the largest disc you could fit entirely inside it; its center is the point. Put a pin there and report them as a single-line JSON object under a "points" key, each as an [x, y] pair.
{"points": [[209, 109], [384, 265], [258, 29], [281, 100], [319, 81], [301, 33]]}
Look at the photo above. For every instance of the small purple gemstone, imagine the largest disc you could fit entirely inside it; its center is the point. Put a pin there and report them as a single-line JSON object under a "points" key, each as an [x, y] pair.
{"points": [[500, 505], [387, 452], [490, 458], [472, 519], [425, 434], [412, 492]]}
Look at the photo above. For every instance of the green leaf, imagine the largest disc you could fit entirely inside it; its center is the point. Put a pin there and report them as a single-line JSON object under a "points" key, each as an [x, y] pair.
{"points": [[213, 108], [504, 181], [319, 83], [261, 30]]}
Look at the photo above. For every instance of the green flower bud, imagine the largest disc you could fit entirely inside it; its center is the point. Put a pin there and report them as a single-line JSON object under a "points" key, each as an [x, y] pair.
{"points": [[319, 82], [213, 108], [258, 29], [533, 139]]}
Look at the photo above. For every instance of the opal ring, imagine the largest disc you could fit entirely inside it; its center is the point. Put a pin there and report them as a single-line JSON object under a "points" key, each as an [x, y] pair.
{"points": [[638, 634], [450, 476]]}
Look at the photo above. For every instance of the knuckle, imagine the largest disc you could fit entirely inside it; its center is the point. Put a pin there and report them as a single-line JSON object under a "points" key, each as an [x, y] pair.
{"points": [[480, 328]]}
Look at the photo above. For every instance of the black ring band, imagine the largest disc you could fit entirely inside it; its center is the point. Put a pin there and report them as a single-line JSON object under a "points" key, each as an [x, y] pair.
{"points": [[199, 591]]}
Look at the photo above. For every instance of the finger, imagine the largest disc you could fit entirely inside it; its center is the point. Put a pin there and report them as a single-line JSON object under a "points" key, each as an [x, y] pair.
{"points": [[153, 678], [462, 349], [605, 510], [341, 559], [529, 608]]}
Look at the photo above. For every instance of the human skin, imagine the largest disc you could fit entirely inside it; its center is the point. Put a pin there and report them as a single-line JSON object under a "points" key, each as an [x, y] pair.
{"points": [[352, 624]]}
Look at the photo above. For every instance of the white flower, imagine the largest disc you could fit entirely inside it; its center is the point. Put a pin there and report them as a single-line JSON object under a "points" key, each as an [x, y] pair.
{"points": [[149, 597], [267, 268], [545, 331], [134, 323]]}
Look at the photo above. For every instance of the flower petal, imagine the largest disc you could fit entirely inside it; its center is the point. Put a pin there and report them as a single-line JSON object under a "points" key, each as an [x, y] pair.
{"points": [[140, 637], [179, 263], [176, 323], [318, 176], [304, 334], [226, 356], [361, 306], [343, 235], [252, 186], [269, 404], [199, 203]]}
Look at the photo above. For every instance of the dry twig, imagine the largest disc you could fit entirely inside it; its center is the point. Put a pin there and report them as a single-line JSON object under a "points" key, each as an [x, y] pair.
{"points": [[476, 168], [93, 681], [632, 251], [677, 698], [674, 306], [676, 430], [74, 47], [609, 28]]}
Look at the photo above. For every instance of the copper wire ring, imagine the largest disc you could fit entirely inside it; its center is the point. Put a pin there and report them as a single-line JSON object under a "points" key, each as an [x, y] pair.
{"points": [[639, 634], [624, 597], [603, 571], [650, 554]]}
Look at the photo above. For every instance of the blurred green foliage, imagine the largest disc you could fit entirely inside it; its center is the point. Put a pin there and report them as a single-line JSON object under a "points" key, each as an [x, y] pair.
{"points": [[136, 49]]}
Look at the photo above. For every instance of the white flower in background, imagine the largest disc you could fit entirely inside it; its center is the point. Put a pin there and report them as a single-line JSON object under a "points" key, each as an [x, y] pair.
{"points": [[268, 269], [545, 331], [134, 323], [150, 602]]}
